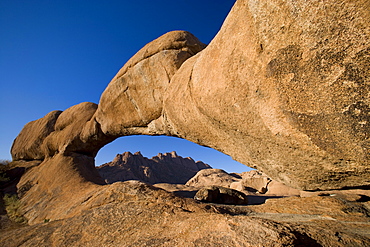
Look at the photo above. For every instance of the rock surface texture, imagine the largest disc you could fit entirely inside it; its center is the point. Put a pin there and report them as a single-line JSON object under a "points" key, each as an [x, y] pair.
{"points": [[211, 177], [135, 214], [283, 87]]}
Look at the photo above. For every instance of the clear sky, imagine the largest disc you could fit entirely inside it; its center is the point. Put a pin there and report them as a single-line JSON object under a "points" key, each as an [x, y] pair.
{"points": [[58, 53]]}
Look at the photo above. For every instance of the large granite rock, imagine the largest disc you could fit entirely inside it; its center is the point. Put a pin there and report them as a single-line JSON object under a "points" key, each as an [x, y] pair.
{"points": [[68, 141], [211, 177], [135, 214], [257, 182], [221, 195], [27, 145], [134, 97], [283, 87]]}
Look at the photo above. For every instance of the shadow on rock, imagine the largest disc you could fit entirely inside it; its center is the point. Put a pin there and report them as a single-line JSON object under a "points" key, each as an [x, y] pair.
{"points": [[257, 200]]}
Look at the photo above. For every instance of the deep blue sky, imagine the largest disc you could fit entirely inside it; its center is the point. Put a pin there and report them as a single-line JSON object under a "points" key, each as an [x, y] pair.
{"points": [[58, 53]]}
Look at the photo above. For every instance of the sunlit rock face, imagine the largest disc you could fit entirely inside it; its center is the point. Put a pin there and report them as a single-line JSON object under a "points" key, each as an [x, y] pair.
{"points": [[134, 98], [283, 87], [67, 142]]}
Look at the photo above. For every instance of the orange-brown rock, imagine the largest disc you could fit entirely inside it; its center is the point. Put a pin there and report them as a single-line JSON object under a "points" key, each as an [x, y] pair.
{"points": [[68, 141], [283, 87], [27, 145], [134, 97], [221, 195], [209, 177], [255, 181], [66, 138], [135, 214]]}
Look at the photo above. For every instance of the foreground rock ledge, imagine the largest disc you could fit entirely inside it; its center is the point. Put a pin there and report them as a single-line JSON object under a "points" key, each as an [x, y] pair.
{"points": [[136, 214], [283, 87]]}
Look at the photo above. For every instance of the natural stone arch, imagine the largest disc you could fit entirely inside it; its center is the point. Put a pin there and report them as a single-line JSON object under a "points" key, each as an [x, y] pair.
{"points": [[282, 88], [151, 146]]}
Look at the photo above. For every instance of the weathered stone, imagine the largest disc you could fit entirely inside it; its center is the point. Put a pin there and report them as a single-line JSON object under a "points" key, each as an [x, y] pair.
{"points": [[119, 215], [209, 177], [73, 137], [287, 95], [122, 219], [134, 97], [255, 181], [58, 187], [275, 188], [27, 145], [68, 128], [283, 87], [222, 195]]}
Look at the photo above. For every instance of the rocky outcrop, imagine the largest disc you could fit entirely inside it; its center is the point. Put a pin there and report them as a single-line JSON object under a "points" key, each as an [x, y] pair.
{"points": [[67, 142], [134, 97], [258, 187], [260, 183], [27, 145], [163, 168], [211, 177], [286, 95], [135, 214], [283, 87], [222, 195]]}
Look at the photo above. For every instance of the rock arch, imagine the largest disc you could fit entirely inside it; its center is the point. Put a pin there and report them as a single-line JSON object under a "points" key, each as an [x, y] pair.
{"points": [[283, 88]]}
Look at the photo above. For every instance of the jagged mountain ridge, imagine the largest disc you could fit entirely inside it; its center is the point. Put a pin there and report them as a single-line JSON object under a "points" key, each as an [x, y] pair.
{"points": [[163, 168]]}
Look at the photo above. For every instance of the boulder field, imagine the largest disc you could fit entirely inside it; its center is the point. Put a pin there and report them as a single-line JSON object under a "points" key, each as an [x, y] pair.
{"points": [[283, 87]]}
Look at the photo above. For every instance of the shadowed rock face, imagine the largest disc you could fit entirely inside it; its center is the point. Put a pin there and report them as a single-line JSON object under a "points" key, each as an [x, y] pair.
{"points": [[163, 168], [283, 87], [219, 194]]}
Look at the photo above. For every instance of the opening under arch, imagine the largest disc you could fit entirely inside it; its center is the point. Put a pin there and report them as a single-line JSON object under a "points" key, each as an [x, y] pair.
{"points": [[150, 146]]}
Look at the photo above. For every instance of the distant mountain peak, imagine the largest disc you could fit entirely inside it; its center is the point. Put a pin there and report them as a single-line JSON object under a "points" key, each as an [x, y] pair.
{"points": [[163, 168]]}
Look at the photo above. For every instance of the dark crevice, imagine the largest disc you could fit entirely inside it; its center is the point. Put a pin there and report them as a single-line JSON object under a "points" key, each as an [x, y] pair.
{"points": [[13, 176], [303, 240], [362, 187], [363, 198], [85, 153]]}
